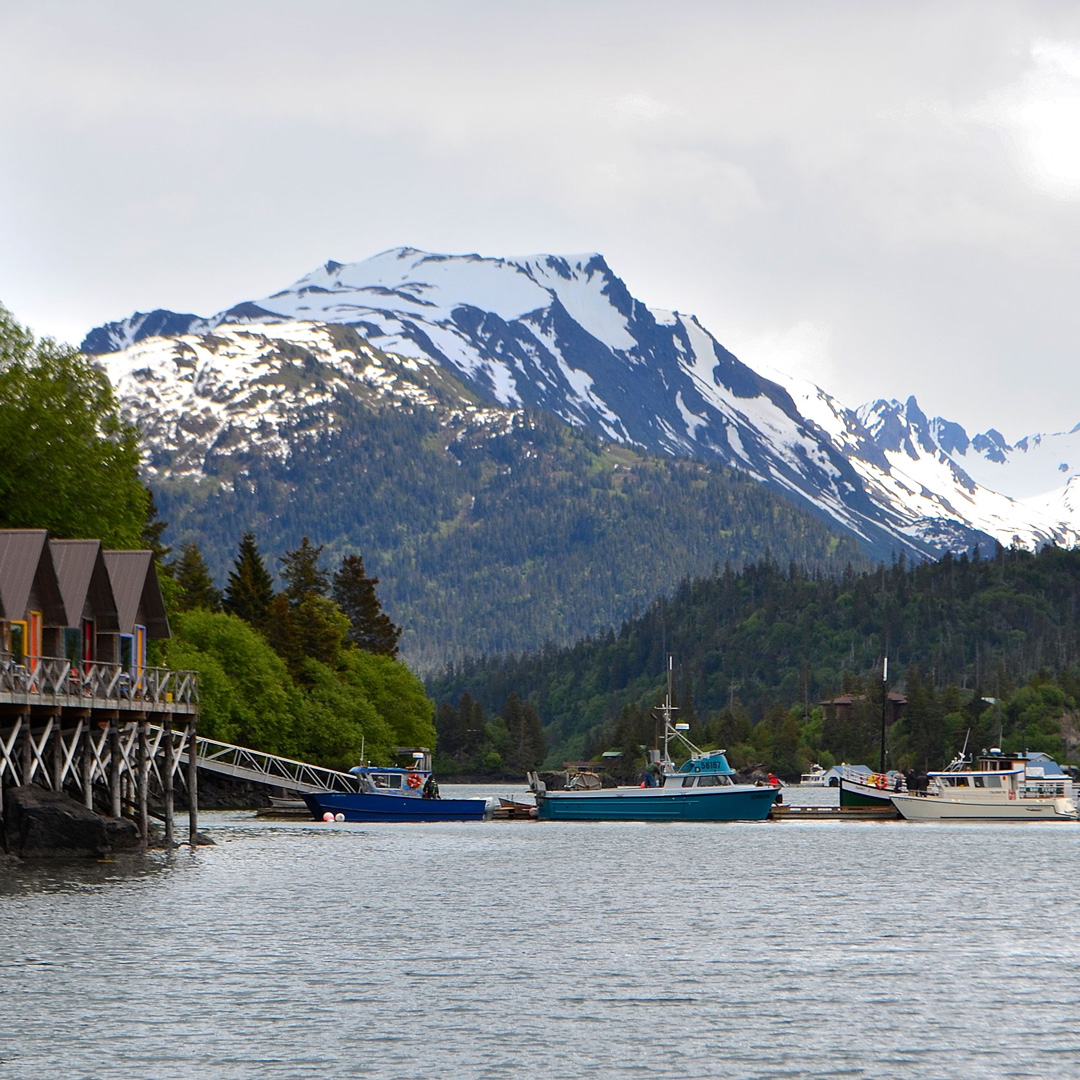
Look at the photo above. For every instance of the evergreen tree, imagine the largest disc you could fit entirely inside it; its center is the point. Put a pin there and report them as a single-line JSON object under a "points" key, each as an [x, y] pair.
{"points": [[448, 730], [473, 726], [527, 746], [355, 594], [302, 573], [196, 587], [250, 590], [152, 531]]}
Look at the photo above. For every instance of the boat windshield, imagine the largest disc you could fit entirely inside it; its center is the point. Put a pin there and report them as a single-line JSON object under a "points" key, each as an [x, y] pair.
{"points": [[386, 780]]}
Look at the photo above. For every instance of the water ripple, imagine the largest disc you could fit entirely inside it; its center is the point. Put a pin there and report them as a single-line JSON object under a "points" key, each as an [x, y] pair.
{"points": [[551, 950]]}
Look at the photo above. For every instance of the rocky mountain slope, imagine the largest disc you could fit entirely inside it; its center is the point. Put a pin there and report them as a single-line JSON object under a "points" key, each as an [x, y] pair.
{"points": [[486, 341], [493, 528], [563, 334]]}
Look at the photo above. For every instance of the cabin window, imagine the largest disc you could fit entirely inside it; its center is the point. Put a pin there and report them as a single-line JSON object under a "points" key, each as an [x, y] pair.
{"points": [[688, 781], [993, 781], [709, 781], [978, 781]]}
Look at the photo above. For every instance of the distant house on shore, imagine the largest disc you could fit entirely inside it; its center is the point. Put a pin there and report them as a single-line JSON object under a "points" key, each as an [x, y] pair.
{"points": [[840, 708]]}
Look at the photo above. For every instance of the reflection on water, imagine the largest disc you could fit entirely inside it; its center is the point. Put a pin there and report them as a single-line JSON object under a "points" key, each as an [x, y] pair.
{"points": [[504, 949]]}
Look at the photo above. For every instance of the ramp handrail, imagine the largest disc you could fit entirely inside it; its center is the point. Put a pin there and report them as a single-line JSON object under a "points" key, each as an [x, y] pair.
{"points": [[247, 764]]}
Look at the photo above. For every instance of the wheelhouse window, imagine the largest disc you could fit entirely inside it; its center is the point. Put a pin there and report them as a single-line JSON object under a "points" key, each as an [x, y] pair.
{"points": [[688, 781]]}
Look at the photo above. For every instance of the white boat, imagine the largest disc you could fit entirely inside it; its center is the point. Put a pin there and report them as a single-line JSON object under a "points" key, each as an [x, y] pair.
{"points": [[816, 777], [1018, 787]]}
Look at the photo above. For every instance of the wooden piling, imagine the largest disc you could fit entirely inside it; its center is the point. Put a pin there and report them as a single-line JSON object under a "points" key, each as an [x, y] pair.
{"points": [[142, 773], [167, 782], [193, 782], [116, 796], [87, 761], [27, 748], [56, 758]]}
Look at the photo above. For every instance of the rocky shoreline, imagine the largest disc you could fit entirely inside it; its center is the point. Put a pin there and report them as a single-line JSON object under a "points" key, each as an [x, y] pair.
{"points": [[42, 824]]}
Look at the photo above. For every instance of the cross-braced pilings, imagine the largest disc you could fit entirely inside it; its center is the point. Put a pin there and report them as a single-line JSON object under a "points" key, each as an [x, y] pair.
{"points": [[108, 734]]}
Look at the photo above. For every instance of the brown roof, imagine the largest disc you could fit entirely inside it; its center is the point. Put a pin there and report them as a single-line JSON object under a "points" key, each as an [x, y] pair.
{"points": [[26, 563], [134, 582], [850, 699], [81, 571]]}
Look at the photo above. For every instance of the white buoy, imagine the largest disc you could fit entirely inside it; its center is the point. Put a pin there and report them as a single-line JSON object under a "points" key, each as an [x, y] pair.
{"points": [[328, 816], [339, 817]]}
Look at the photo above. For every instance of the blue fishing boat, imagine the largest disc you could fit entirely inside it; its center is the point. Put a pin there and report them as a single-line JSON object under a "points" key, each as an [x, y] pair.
{"points": [[703, 788], [395, 794]]}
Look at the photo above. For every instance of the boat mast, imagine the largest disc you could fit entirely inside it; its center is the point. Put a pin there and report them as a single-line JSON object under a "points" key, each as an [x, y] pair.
{"points": [[667, 710], [884, 704]]}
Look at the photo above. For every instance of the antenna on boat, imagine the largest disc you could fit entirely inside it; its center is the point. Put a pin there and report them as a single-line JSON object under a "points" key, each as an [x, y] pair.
{"points": [[884, 704]]}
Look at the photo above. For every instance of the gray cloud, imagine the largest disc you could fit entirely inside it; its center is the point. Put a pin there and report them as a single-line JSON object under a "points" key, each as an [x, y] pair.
{"points": [[884, 197]]}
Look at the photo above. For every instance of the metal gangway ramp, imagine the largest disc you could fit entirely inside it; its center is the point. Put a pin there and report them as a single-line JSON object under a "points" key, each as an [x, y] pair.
{"points": [[245, 764]]}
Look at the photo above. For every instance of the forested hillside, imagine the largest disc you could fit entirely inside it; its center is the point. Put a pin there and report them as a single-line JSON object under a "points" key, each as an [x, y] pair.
{"points": [[491, 537], [757, 651], [292, 670]]}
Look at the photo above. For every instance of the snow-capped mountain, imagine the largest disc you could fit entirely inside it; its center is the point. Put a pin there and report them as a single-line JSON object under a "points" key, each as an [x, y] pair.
{"points": [[934, 470], [205, 402], [564, 334]]}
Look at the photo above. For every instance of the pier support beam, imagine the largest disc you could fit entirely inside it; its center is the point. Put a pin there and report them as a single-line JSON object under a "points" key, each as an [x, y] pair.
{"points": [[115, 793], [56, 758], [142, 774], [167, 783], [26, 763], [86, 761], [193, 783]]}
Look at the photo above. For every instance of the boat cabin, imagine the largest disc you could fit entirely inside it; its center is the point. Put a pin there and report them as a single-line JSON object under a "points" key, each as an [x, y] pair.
{"points": [[396, 780], [709, 769], [1025, 776]]}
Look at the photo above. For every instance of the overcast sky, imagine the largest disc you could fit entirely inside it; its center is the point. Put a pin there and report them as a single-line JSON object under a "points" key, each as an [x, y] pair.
{"points": [[884, 197]]}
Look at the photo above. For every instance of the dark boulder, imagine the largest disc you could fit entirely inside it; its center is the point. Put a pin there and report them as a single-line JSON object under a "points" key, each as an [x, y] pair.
{"points": [[121, 834], [49, 824]]}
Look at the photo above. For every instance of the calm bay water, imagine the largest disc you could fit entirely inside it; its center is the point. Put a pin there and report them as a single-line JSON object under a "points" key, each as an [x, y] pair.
{"points": [[514, 949]]}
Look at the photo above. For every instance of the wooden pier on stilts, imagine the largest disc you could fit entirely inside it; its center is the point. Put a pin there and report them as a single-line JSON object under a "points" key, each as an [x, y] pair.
{"points": [[112, 737]]}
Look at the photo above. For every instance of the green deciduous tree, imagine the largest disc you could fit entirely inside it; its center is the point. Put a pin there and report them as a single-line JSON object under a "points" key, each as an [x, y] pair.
{"points": [[245, 693], [68, 462]]}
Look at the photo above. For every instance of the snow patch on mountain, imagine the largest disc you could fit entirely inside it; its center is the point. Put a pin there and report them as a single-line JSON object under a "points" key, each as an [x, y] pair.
{"points": [[564, 334]]}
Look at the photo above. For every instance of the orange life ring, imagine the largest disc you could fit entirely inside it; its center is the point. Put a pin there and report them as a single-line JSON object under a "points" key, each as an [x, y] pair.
{"points": [[881, 782], [414, 780]]}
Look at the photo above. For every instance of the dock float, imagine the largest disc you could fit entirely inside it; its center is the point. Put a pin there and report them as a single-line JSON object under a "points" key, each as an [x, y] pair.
{"points": [[784, 812]]}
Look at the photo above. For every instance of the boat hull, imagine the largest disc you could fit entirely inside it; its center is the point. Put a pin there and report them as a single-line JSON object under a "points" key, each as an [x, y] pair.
{"points": [[937, 808], [357, 806], [854, 794], [737, 803]]}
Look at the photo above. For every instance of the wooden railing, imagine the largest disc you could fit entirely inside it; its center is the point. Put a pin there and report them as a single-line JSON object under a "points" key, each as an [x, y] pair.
{"points": [[49, 679]]}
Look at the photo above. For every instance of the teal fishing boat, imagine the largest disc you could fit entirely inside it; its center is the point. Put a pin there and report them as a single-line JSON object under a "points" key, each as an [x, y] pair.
{"points": [[703, 788]]}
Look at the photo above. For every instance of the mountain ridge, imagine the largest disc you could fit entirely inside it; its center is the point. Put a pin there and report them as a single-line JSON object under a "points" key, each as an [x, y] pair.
{"points": [[565, 335]]}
